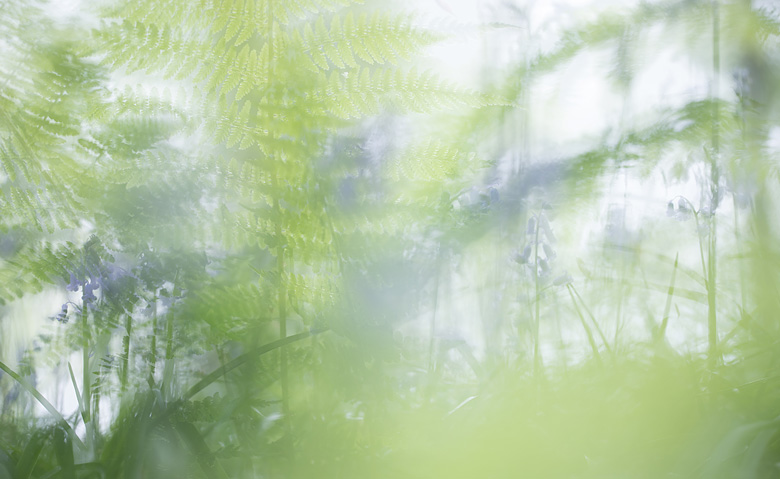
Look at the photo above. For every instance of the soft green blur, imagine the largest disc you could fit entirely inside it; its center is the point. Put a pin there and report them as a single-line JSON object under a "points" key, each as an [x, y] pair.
{"points": [[281, 239]]}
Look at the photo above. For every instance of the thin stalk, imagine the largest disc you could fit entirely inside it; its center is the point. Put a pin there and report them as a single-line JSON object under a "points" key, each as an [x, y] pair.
{"points": [[537, 358], [738, 239], [585, 326], [153, 347], [619, 313], [86, 377], [714, 180], [668, 306], [432, 341], [711, 301], [169, 361], [282, 300], [708, 270], [167, 381], [592, 318], [280, 251], [126, 351], [169, 338]]}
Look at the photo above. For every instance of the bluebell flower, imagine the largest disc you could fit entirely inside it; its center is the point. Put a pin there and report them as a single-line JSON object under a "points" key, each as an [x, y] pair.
{"points": [[494, 196], [74, 283], [531, 229], [545, 267], [523, 258], [87, 295], [62, 316]]}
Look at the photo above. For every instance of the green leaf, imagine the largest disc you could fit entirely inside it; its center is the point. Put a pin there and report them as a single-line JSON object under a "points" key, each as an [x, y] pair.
{"points": [[31, 452], [63, 449]]}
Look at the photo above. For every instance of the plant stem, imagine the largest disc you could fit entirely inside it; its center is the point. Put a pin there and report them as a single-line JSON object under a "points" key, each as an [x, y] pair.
{"points": [[126, 351], [153, 347], [86, 376], [714, 180], [282, 300], [537, 358], [280, 247], [432, 340], [167, 381], [168, 372], [592, 318], [669, 296], [585, 326]]}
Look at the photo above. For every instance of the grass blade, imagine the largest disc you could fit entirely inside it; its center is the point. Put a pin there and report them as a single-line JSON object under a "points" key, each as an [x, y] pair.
{"points": [[592, 318], [63, 450], [7, 469], [45, 403], [194, 441], [226, 368], [31, 452], [585, 326], [78, 393], [668, 306]]}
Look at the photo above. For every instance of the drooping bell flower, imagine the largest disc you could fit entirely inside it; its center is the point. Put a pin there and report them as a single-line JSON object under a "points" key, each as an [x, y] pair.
{"points": [[87, 295], [74, 283]]}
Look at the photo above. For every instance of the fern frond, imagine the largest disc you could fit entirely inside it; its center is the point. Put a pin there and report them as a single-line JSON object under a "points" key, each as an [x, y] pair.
{"points": [[138, 46], [374, 39], [364, 92]]}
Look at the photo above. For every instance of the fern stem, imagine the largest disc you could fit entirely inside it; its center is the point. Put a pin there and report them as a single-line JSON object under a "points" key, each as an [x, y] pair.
{"points": [[714, 180], [282, 325], [280, 250]]}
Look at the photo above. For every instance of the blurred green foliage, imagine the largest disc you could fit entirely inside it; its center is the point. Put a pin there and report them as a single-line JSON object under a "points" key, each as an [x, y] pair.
{"points": [[282, 247]]}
